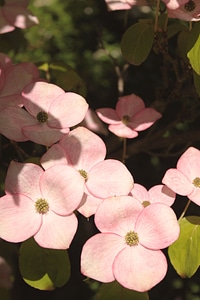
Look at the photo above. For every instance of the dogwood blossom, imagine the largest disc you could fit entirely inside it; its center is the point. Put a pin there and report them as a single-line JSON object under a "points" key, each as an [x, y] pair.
{"points": [[50, 111], [174, 4], [157, 194], [123, 4], [188, 11], [11, 84], [129, 117], [127, 249], [86, 151], [185, 178], [40, 203], [14, 13]]}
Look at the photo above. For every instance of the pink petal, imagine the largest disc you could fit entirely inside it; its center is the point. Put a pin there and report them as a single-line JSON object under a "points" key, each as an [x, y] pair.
{"points": [[18, 218], [109, 178], [129, 105], [117, 5], [5, 60], [24, 178], [63, 187], [195, 196], [12, 100], [189, 163], [177, 182], [83, 148], [19, 16], [144, 119], [93, 123], [108, 115], [157, 226], [162, 194], [67, 110], [182, 14], [174, 4], [12, 120], [39, 95], [122, 130], [88, 205], [139, 269], [54, 156], [98, 255], [56, 232], [43, 134], [4, 24], [117, 214], [140, 192]]}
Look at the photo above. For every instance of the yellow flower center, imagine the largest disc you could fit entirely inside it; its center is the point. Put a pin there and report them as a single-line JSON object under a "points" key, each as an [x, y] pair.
{"points": [[190, 6], [84, 174], [41, 206], [146, 203], [42, 117], [196, 182], [131, 238], [125, 119]]}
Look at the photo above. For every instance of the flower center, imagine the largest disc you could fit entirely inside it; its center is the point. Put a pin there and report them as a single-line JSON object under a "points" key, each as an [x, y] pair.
{"points": [[190, 6], [125, 119], [196, 182], [84, 174], [41, 206], [42, 116], [146, 203], [131, 238], [2, 2]]}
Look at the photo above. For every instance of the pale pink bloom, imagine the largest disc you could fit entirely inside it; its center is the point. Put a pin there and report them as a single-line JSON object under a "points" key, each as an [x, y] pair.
{"points": [[174, 4], [93, 123], [128, 247], [124, 4], [5, 274], [129, 117], [185, 179], [189, 11], [40, 203], [157, 194], [49, 114], [14, 13], [86, 151], [11, 84]]}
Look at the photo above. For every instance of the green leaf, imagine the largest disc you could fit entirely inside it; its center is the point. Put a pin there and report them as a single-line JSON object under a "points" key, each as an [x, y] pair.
{"points": [[184, 253], [193, 47], [182, 44], [137, 42], [196, 78], [115, 291], [42, 268]]}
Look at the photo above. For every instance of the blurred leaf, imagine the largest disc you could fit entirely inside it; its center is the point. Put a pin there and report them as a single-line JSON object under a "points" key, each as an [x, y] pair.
{"points": [[182, 44], [196, 78], [137, 42], [174, 28], [5, 294], [115, 291], [42, 268], [193, 47], [184, 253]]}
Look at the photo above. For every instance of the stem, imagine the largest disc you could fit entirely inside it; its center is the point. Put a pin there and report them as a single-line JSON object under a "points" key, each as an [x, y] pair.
{"points": [[124, 150], [156, 18], [185, 209]]}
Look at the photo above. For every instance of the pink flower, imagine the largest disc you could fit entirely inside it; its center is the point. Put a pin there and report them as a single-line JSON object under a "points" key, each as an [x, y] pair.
{"points": [[40, 203], [174, 4], [11, 84], [14, 13], [156, 194], [49, 114], [188, 11], [185, 179], [128, 247], [129, 117], [92, 122], [5, 274], [124, 4], [85, 151]]}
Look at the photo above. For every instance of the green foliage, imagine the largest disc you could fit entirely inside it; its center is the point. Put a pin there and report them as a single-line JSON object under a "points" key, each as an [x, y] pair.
{"points": [[137, 42], [184, 253], [194, 48], [41, 268], [115, 291]]}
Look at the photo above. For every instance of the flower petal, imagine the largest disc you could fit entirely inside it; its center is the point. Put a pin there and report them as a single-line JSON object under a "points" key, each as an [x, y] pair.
{"points": [[129, 105], [55, 155], [139, 269], [140, 192], [144, 119], [189, 163], [56, 231], [122, 130], [98, 255], [88, 205], [109, 178], [157, 226], [161, 193], [108, 115], [117, 214], [178, 182], [18, 218]]}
